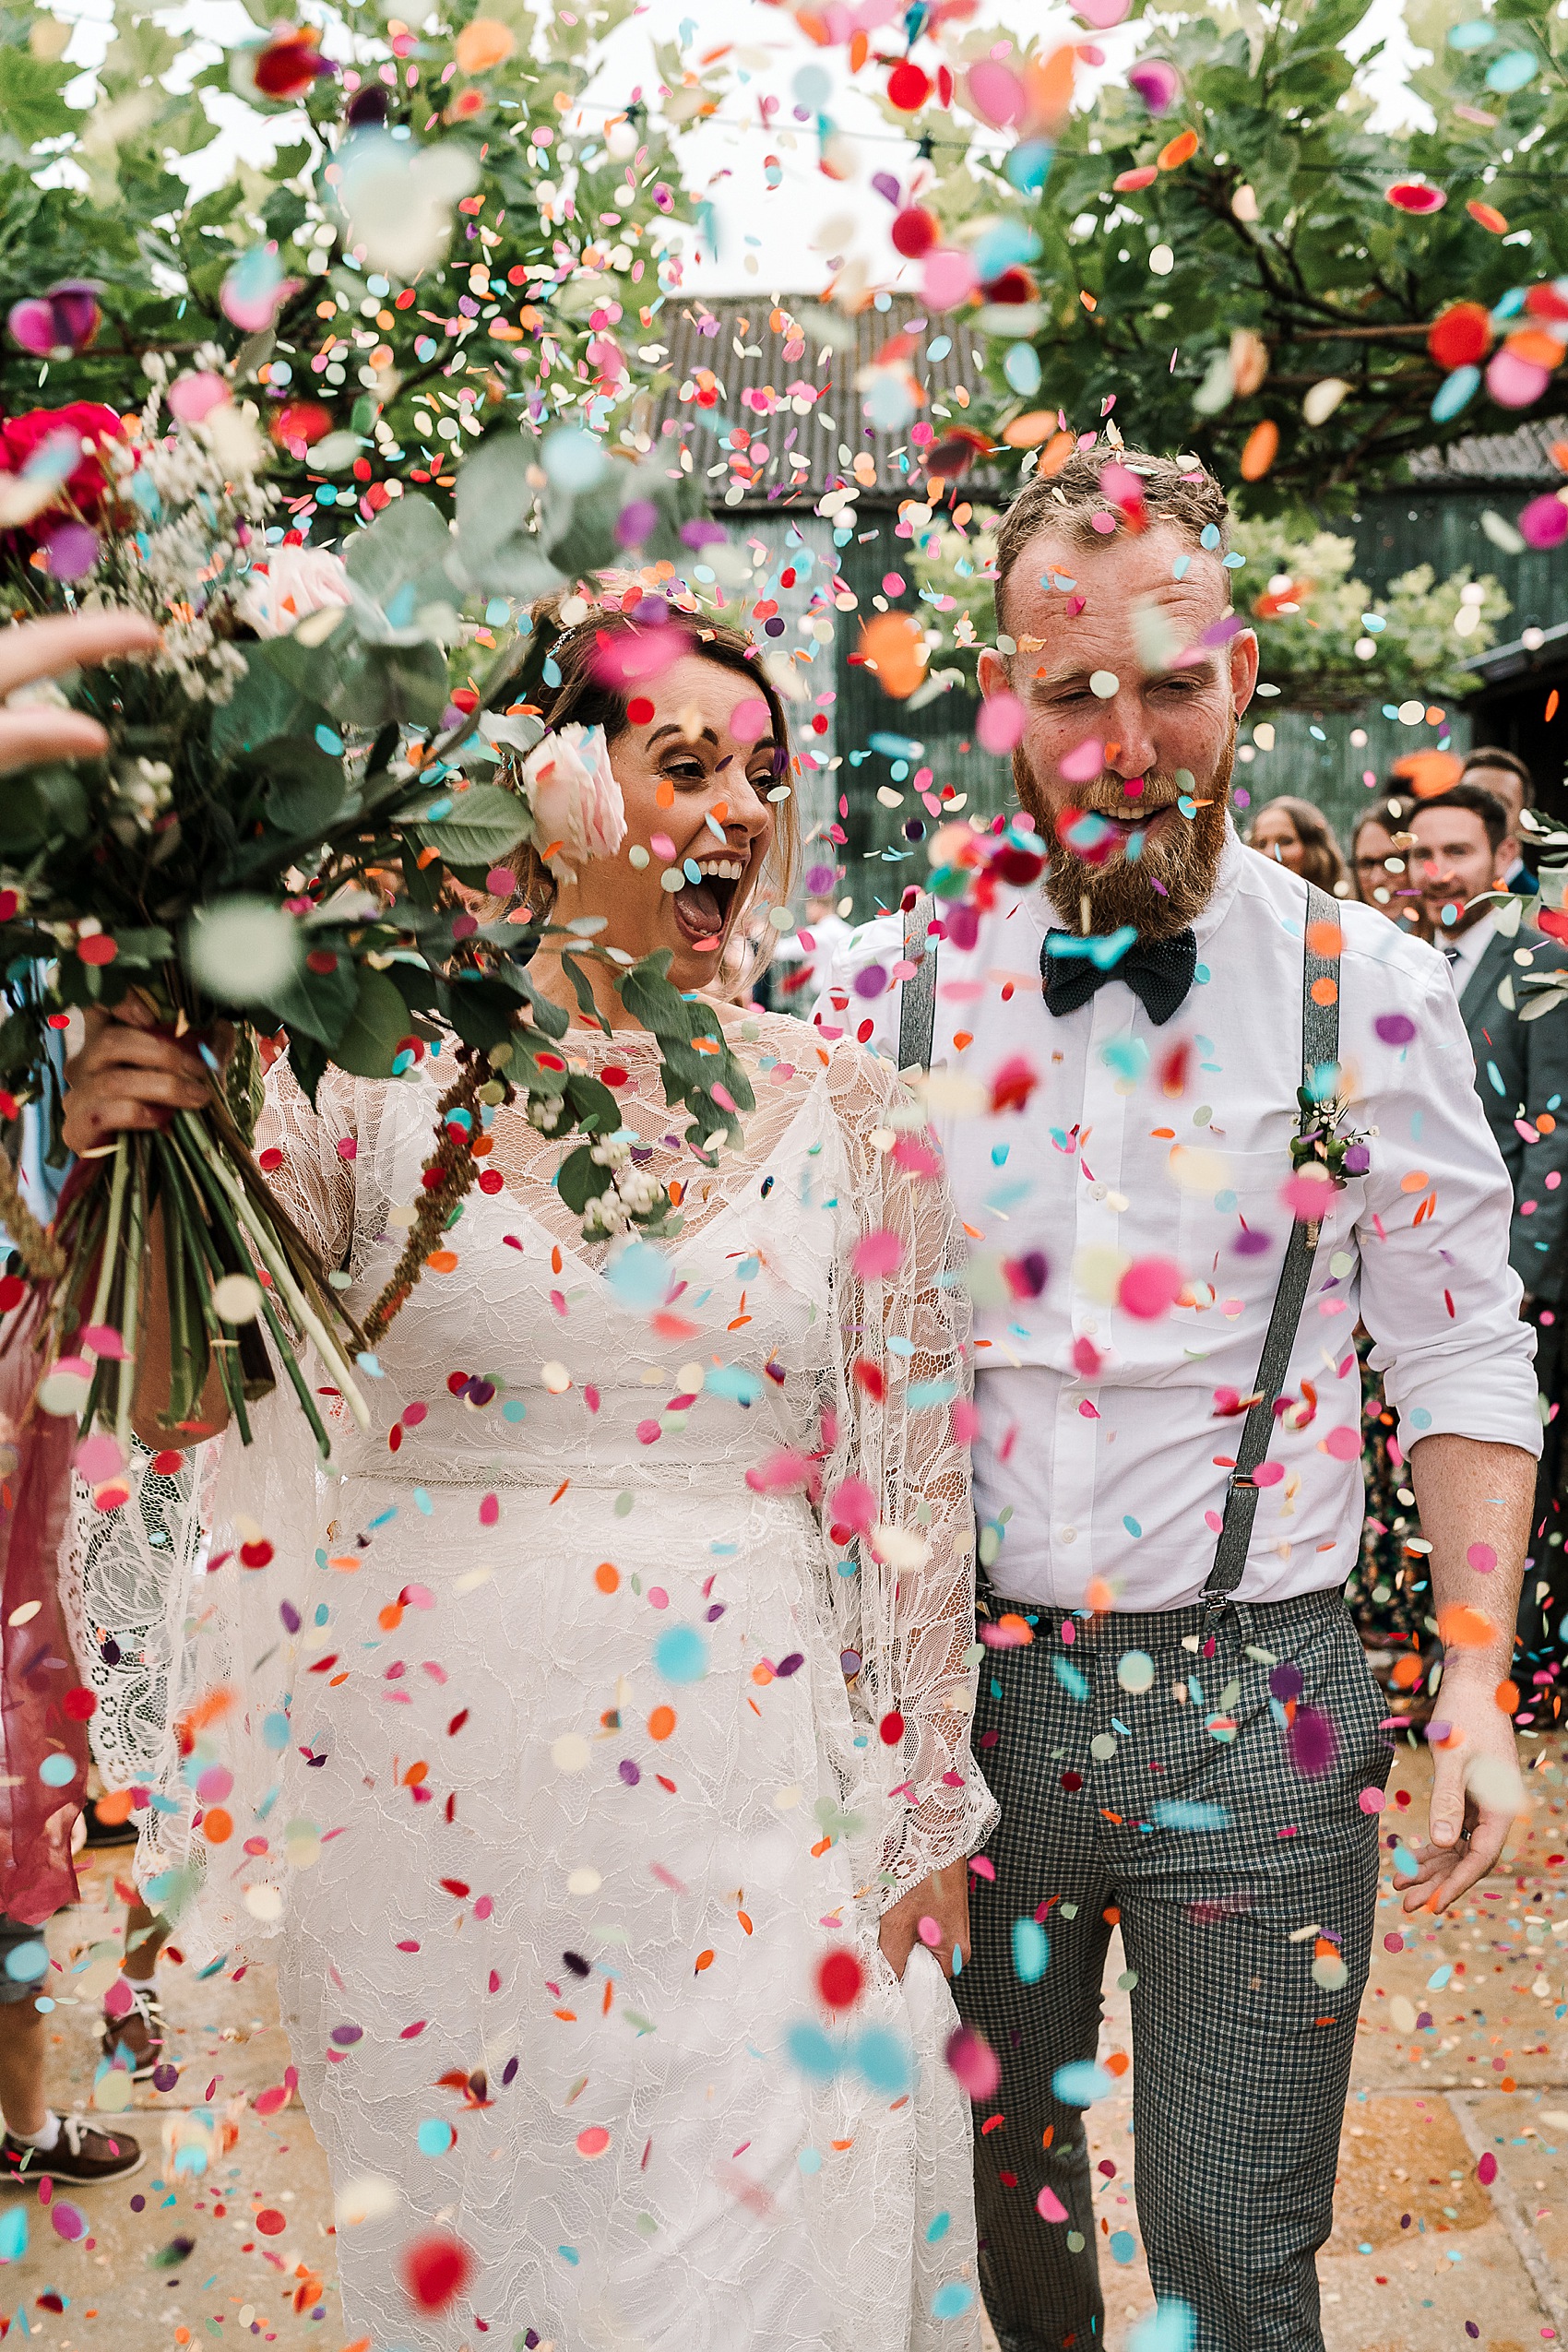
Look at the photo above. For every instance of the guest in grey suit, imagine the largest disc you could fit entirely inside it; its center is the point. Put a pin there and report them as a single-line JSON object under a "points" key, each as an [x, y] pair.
{"points": [[1464, 849]]}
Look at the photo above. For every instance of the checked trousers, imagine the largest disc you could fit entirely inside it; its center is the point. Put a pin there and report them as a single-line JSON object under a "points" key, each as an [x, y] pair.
{"points": [[1221, 1827]]}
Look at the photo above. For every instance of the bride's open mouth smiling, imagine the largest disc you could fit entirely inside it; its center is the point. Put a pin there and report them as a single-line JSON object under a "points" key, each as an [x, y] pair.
{"points": [[701, 908]]}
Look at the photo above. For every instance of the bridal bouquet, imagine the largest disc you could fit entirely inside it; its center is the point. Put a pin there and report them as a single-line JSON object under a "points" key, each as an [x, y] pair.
{"points": [[292, 835]]}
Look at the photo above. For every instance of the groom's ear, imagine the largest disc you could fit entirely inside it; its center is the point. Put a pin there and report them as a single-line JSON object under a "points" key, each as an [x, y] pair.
{"points": [[1243, 668], [992, 671]]}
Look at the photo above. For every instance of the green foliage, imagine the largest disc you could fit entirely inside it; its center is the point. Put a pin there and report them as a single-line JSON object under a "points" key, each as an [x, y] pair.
{"points": [[1279, 229], [1324, 639], [557, 299]]}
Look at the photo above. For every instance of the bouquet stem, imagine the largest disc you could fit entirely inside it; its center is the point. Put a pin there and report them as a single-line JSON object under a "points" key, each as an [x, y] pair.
{"points": [[262, 1239]]}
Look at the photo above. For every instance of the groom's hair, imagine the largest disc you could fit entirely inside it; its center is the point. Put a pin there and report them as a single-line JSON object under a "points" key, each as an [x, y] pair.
{"points": [[1175, 490]]}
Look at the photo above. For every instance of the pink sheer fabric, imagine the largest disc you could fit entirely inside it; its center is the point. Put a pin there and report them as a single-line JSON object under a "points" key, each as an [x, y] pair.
{"points": [[37, 1669]]}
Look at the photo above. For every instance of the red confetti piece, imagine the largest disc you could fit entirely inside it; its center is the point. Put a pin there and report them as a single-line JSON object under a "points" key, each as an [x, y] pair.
{"points": [[839, 1978], [891, 1727], [435, 2271], [270, 2222]]}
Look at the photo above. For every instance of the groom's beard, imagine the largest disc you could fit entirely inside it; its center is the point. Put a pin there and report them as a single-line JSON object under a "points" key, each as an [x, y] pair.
{"points": [[1169, 882]]}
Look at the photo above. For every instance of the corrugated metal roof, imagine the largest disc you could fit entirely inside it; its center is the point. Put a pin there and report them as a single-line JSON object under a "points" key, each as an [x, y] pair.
{"points": [[756, 345], [1524, 455]]}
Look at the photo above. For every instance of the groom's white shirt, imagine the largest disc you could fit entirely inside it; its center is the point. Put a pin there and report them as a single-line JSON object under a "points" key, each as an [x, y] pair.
{"points": [[1101, 1440]]}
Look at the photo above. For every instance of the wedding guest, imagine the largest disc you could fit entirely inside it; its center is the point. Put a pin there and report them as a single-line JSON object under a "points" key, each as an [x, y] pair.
{"points": [[1174, 1709], [1380, 865], [1463, 849], [1299, 838], [1505, 776], [38, 2139]]}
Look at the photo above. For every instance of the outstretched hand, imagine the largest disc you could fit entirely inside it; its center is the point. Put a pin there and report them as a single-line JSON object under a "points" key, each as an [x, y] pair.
{"points": [[42, 649]]}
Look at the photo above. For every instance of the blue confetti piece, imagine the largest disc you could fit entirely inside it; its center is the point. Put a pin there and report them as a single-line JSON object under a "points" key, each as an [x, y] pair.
{"points": [[329, 739], [680, 1654], [13, 2234], [434, 2136], [1405, 1861], [810, 2051], [884, 2060], [1169, 2329], [424, 1501], [1439, 1978], [1123, 2245], [1131, 1525], [938, 2227], [1082, 2083], [1070, 1679], [952, 2299], [1180, 1812], [921, 1395], [733, 1381], [1031, 1950]]}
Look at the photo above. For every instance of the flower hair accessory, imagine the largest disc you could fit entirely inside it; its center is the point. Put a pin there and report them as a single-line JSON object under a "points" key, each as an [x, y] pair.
{"points": [[296, 582], [578, 809]]}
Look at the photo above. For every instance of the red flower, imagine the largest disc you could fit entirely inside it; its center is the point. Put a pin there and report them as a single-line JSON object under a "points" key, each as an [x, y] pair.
{"points": [[85, 419]]}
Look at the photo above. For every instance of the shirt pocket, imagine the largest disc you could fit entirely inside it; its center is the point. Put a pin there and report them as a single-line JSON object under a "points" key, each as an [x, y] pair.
{"points": [[1232, 1224]]}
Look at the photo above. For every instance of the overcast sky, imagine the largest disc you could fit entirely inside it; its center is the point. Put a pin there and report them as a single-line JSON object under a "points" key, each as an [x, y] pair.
{"points": [[772, 241]]}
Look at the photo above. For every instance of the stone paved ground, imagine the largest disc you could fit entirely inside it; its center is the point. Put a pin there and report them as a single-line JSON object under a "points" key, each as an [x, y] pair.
{"points": [[1423, 2252]]}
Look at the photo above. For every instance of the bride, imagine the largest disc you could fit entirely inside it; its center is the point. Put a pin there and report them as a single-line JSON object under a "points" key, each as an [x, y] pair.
{"points": [[590, 1747]]}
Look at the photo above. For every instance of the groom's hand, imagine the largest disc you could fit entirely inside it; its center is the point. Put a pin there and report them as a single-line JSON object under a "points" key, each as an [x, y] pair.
{"points": [[943, 1898], [1475, 1792]]}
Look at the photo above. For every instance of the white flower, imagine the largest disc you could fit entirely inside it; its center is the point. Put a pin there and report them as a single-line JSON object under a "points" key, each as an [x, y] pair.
{"points": [[578, 809], [296, 580]]}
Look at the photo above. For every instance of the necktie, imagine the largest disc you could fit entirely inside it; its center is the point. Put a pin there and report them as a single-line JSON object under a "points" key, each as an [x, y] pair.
{"points": [[1160, 971]]}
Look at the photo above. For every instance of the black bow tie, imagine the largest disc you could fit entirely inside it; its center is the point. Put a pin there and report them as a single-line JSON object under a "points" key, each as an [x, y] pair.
{"points": [[1158, 970]]}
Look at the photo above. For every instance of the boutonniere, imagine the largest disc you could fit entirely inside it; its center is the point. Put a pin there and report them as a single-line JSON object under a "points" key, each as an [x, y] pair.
{"points": [[1323, 1138]]}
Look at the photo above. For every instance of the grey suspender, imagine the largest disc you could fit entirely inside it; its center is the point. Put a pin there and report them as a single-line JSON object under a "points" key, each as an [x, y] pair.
{"points": [[1320, 1044]]}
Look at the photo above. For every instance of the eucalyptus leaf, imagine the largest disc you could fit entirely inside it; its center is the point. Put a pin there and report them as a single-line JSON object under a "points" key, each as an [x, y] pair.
{"points": [[376, 1027], [486, 824]]}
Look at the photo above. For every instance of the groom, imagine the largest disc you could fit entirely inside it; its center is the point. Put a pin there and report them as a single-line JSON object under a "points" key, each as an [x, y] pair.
{"points": [[1174, 1711]]}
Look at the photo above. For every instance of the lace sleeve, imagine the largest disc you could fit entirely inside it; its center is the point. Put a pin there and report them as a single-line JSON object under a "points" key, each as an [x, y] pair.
{"points": [[318, 1162], [899, 1478]]}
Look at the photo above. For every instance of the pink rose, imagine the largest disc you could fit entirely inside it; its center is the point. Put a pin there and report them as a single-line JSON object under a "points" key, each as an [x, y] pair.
{"points": [[578, 809], [296, 580]]}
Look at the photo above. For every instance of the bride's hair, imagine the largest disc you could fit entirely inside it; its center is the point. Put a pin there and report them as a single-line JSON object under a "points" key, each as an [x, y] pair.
{"points": [[587, 696]]}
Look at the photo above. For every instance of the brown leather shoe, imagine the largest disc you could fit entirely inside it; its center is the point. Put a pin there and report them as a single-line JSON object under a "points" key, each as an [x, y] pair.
{"points": [[82, 2153]]}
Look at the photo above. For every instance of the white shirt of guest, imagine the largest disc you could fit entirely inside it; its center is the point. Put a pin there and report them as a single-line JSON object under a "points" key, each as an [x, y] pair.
{"points": [[1464, 950], [1105, 1438]]}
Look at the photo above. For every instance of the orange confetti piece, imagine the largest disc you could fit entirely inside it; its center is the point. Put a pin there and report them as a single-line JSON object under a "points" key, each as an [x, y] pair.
{"points": [[1507, 1696], [1177, 151], [894, 645], [745, 1922], [607, 1576], [1428, 772], [1087, 299], [442, 1261], [1325, 990], [705, 1960], [560, 1489], [1262, 447], [1464, 1627], [1552, 702], [1489, 216], [1325, 940]]}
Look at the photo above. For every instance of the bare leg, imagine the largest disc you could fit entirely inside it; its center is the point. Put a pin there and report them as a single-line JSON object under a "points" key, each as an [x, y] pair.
{"points": [[145, 1935], [22, 2032]]}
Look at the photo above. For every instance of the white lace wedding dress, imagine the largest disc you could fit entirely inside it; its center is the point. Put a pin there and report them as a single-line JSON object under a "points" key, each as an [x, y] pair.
{"points": [[559, 1734]]}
